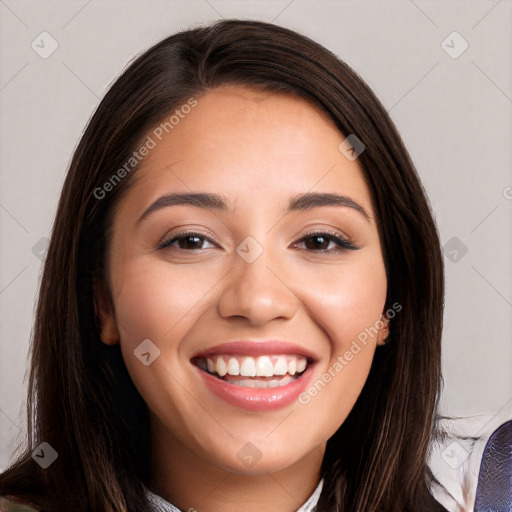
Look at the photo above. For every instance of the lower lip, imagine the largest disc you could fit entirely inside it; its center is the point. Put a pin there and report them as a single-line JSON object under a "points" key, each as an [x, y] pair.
{"points": [[257, 399]]}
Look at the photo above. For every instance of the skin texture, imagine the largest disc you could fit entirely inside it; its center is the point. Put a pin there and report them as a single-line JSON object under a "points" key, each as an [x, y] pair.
{"points": [[257, 149]]}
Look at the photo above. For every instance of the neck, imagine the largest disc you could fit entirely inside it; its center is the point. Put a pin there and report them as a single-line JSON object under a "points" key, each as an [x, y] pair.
{"points": [[192, 483]]}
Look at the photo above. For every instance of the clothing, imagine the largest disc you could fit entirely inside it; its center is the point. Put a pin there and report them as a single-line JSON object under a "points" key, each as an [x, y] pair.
{"points": [[158, 504], [161, 505], [456, 458]]}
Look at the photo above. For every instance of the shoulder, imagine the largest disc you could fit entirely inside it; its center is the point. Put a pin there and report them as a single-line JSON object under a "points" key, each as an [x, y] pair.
{"points": [[12, 504], [456, 457]]}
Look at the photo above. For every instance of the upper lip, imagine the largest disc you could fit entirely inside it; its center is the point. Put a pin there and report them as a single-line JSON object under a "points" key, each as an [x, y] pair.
{"points": [[257, 348]]}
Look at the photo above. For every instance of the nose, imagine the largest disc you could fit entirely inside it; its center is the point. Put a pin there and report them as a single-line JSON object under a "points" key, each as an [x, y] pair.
{"points": [[257, 291]]}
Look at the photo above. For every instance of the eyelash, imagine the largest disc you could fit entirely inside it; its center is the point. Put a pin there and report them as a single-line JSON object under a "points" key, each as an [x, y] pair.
{"points": [[343, 243]]}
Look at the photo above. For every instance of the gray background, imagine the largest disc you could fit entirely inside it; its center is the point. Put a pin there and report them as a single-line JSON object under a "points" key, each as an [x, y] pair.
{"points": [[453, 113]]}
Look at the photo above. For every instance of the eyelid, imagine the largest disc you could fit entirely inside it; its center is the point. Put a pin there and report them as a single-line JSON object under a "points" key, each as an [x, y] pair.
{"points": [[167, 239], [343, 241]]}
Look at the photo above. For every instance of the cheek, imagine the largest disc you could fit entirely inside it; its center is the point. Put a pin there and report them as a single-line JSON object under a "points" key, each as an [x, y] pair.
{"points": [[346, 307], [348, 300], [156, 301]]}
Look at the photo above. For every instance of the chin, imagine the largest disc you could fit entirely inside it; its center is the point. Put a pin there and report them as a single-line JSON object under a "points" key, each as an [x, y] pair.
{"points": [[253, 458]]}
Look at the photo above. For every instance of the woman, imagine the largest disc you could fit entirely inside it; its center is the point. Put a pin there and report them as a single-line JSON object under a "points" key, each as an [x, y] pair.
{"points": [[242, 298]]}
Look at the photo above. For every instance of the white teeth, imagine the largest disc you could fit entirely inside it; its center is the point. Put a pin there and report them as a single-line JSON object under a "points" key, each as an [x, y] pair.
{"points": [[281, 366], [247, 366], [220, 366], [264, 367], [250, 383], [233, 366], [301, 365]]}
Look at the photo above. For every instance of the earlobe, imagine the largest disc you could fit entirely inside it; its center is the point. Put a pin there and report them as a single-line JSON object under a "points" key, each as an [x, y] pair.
{"points": [[104, 314], [383, 332]]}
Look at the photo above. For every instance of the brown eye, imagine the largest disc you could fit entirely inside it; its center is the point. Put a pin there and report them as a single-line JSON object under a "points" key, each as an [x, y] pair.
{"points": [[326, 242], [186, 241]]}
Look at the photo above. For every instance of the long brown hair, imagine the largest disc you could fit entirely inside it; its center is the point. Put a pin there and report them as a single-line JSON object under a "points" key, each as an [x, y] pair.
{"points": [[81, 398]]}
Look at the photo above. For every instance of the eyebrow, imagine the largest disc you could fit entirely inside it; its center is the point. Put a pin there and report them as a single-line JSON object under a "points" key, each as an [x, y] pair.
{"points": [[299, 202]]}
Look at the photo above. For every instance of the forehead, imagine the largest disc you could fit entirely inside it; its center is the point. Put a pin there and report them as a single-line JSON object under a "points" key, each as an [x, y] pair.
{"points": [[250, 145]]}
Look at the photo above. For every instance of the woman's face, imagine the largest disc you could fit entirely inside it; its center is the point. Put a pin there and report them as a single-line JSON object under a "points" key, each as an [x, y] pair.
{"points": [[258, 283]]}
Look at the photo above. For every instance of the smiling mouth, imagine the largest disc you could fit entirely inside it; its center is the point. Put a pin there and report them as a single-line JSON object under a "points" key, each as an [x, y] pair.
{"points": [[266, 371]]}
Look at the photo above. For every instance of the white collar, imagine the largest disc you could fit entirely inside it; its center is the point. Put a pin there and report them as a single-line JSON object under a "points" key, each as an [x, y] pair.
{"points": [[161, 505]]}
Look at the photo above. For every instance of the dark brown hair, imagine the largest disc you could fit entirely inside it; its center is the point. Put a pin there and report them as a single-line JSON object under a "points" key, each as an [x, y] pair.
{"points": [[81, 398]]}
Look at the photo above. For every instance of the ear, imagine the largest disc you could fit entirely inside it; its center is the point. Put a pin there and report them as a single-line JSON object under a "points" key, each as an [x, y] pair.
{"points": [[104, 314], [383, 331]]}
